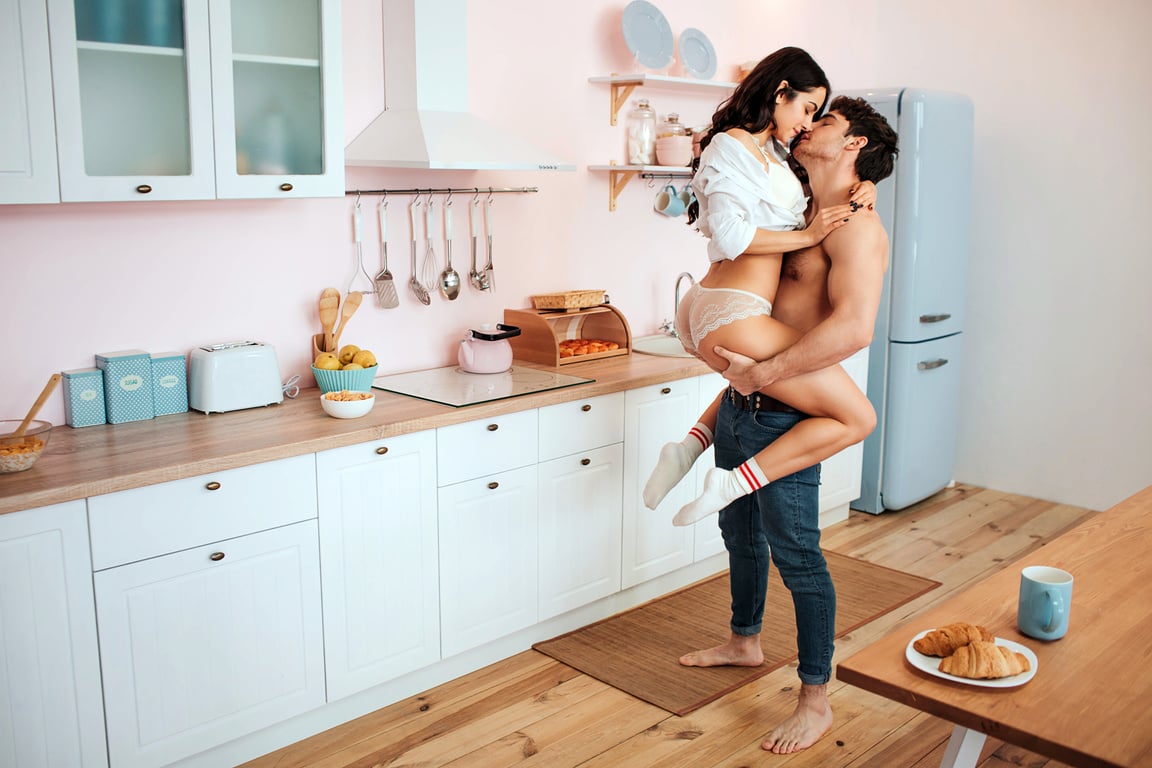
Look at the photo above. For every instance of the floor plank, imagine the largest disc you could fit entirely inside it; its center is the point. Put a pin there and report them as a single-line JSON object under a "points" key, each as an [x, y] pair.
{"points": [[529, 710]]}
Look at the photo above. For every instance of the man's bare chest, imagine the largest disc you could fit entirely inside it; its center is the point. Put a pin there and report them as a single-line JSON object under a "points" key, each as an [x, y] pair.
{"points": [[802, 299]]}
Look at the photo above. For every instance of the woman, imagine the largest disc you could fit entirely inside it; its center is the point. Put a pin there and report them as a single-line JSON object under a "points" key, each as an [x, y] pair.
{"points": [[753, 208]]}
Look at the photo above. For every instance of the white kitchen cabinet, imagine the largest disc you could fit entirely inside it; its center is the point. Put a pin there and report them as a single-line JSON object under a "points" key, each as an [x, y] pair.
{"points": [[378, 560], [488, 558], [51, 713], [209, 644], [580, 517], [197, 99], [653, 416], [486, 446], [27, 126]]}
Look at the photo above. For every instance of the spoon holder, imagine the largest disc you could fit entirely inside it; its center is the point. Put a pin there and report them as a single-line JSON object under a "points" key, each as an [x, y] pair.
{"points": [[542, 330]]}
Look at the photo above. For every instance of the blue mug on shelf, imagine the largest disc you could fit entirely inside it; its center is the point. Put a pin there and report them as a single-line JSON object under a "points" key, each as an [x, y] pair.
{"points": [[669, 202], [1045, 602]]}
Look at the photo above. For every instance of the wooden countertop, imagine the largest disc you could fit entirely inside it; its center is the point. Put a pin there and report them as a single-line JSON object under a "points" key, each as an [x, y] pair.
{"points": [[114, 457]]}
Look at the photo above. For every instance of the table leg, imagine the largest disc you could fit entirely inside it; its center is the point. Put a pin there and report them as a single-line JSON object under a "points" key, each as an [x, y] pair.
{"points": [[963, 748]]}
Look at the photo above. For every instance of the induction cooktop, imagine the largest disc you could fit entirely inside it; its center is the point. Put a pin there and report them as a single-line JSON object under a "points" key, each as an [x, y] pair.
{"points": [[455, 387]]}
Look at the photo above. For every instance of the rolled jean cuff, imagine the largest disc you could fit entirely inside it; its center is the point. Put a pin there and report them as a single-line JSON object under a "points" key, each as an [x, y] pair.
{"points": [[755, 629], [814, 679]]}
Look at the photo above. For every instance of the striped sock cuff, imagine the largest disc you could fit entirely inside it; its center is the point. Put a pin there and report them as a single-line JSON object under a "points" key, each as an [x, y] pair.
{"points": [[702, 434], [750, 476]]}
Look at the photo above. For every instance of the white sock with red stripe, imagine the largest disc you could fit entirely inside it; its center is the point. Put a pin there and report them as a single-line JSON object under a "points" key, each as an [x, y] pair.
{"points": [[674, 462], [721, 488]]}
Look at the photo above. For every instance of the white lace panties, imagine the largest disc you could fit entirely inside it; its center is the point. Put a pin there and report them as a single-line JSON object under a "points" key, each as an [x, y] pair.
{"points": [[703, 310]]}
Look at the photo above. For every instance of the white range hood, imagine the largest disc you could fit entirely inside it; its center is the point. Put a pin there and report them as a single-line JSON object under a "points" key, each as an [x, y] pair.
{"points": [[426, 123]]}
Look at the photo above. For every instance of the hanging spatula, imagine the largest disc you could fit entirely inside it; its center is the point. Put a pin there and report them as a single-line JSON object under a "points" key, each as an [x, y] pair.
{"points": [[386, 297]]}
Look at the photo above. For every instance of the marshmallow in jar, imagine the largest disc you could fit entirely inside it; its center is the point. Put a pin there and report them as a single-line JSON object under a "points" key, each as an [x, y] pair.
{"points": [[642, 134]]}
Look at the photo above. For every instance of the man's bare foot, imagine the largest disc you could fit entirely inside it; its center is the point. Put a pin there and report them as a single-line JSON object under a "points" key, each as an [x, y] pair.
{"points": [[739, 651], [811, 720]]}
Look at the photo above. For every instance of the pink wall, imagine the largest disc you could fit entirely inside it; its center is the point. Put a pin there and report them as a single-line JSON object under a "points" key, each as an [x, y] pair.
{"points": [[85, 278]]}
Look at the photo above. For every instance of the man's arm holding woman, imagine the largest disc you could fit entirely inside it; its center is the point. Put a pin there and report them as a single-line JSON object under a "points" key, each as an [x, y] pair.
{"points": [[858, 259]]}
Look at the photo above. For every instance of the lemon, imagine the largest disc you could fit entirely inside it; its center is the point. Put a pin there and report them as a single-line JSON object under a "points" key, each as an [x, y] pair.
{"points": [[347, 352], [365, 358], [352, 367], [326, 361]]}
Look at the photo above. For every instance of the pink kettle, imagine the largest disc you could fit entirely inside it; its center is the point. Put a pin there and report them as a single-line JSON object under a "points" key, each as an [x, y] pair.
{"points": [[485, 351]]}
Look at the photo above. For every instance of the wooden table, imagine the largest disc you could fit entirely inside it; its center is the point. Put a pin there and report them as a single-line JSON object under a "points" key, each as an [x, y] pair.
{"points": [[1090, 703]]}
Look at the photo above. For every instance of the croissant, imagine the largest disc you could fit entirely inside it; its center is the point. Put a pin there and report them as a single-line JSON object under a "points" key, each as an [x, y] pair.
{"points": [[984, 661], [945, 640]]}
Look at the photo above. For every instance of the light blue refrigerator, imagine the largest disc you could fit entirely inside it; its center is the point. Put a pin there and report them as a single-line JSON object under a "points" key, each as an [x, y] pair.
{"points": [[917, 351]]}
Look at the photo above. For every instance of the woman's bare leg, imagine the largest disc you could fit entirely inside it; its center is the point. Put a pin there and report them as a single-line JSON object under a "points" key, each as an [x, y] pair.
{"points": [[840, 416]]}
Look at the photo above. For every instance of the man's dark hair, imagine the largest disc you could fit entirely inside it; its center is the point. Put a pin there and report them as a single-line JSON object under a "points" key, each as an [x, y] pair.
{"points": [[876, 160]]}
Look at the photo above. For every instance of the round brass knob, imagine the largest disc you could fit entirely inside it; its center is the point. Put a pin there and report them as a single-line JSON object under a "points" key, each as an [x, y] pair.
{"points": [[382, 450], [213, 486], [285, 187], [585, 408], [493, 427], [585, 462], [216, 557], [144, 189], [666, 390], [493, 486]]}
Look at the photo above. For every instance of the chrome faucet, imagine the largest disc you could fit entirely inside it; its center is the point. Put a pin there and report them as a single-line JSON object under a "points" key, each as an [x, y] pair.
{"points": [[669, 326]]}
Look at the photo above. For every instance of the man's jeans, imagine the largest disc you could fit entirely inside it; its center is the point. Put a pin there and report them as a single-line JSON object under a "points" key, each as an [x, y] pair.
{"points": [[781, 520]]}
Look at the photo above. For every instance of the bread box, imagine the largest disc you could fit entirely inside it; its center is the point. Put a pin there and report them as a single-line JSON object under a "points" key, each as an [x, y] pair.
{"points": [[566, 335]]}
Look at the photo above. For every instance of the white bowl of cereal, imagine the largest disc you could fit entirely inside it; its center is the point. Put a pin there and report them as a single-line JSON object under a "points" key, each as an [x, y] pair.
{"points": [[18, 453], [344, 404]]}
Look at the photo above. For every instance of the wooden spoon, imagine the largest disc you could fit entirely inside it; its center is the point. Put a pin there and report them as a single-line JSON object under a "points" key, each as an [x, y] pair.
{"points": [[329, 312], [53, 380], [351, 304]]}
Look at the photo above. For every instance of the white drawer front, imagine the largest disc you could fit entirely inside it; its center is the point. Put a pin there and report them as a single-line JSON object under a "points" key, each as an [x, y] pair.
{"points": [[157, 519], [581, 425], [485, 446]]}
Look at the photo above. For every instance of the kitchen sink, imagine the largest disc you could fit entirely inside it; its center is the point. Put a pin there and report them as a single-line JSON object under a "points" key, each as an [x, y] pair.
{"points": [[661, 345]]}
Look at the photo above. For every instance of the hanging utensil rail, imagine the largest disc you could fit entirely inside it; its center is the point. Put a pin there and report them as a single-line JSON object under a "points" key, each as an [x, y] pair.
{"points": [[443, 191]]}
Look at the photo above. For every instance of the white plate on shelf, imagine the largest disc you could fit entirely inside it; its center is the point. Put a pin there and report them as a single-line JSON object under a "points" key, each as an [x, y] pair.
{"points": [[697, 53], [931, 665], [647, 34]]}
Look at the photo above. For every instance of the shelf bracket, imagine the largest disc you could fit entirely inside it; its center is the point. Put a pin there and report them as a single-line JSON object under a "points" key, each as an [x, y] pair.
{"points": [[620, 94], [617, 180]]}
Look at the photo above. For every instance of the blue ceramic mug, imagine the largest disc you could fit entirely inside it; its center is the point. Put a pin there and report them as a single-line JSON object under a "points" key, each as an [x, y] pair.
{"points": [[1045, 602], [669, 202]]}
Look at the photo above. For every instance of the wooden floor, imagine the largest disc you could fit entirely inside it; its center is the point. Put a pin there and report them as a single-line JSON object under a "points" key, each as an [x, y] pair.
{"points": [[530, 710]]}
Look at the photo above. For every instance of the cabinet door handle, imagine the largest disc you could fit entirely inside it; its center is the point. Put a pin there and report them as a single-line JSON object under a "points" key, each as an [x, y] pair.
{"points": [[216, 557], [144, 189], [585, 408], [213, 486], [585, 462], [382, 450], [493, 485], [666, 391], [934, 318], [493, 427], [927, 365], [285, 187]]}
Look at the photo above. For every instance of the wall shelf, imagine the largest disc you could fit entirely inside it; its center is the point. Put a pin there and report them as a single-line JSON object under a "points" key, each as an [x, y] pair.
{"points": [[623, 85], [620, 175]]}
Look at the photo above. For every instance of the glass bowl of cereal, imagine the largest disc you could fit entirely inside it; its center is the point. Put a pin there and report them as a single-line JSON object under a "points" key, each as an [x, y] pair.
{"points": [[345, 404], [19, 452]]}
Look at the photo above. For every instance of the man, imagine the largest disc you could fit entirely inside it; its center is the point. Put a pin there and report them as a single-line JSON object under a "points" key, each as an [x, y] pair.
{"points": [[831, 293]]}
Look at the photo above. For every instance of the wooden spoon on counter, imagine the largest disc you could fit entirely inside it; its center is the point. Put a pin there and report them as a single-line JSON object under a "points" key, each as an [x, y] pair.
{"points": [[329, 313], [351, 304], [53, 380]]}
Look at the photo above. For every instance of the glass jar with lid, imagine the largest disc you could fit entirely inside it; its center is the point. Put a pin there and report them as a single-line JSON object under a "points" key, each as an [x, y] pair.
{"points": [[642, 134], [672, 127], [673, 142]]}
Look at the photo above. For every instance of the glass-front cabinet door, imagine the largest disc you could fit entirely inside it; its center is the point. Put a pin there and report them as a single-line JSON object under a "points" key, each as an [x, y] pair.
{"points": [[133, 96], [276, 86]]}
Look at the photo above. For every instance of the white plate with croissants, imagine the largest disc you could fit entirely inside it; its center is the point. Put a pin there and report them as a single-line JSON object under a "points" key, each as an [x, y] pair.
{"points": [[970, 654]]}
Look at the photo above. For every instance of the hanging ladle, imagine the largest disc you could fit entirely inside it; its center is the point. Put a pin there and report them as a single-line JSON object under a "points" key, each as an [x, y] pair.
{"points": [[449, 278]]}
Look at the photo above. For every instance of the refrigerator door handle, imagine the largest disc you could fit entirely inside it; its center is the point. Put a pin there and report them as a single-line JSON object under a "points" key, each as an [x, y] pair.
{"points": [[927, 365], [934, 318]]}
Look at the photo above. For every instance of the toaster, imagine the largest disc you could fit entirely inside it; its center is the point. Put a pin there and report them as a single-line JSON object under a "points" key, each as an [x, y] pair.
{"points": [[233, 376]]}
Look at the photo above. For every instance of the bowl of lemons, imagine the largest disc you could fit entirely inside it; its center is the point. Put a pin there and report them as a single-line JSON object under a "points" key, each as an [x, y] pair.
{"points": [[352, 369]]}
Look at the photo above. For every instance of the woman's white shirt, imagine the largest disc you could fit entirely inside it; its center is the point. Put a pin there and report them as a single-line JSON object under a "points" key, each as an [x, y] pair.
{"points": [[737, 196]]}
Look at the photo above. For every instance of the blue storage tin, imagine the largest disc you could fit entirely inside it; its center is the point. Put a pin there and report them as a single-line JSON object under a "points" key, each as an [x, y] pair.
{"points": [[127, 385], [169, 383], [84, 397]]}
